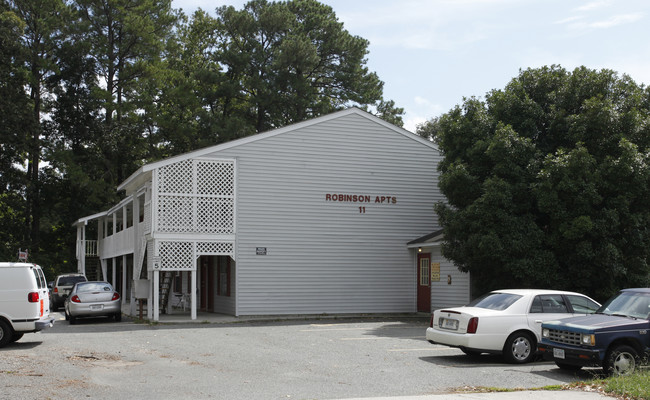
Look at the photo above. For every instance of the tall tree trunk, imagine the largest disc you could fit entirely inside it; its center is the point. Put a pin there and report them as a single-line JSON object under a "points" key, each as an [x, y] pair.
{"points": [[33, 186]]}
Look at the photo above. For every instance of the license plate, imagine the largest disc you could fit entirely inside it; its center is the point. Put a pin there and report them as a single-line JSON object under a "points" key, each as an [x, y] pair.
{"points": [[558, 353], [451, 324], [97, 307]]}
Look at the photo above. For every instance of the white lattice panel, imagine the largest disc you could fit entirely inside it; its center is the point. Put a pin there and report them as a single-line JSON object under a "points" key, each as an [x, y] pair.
{"points": [[215, 248], [176, 178], [147, 217], [215, 178], [215, 215], [176, 255], [149, 255], [175, 214], [208, 206]]}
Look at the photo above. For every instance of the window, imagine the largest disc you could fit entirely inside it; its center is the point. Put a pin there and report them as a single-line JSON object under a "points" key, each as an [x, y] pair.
{"points": [[178, 282], [549, 304], [582, 305], [424, 271], [223, 276], [495, 301]]}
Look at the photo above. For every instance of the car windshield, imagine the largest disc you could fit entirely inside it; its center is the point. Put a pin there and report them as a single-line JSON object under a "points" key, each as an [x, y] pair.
{"points": [[495, 301], [94, 287], [629, 304], [70, 280]]}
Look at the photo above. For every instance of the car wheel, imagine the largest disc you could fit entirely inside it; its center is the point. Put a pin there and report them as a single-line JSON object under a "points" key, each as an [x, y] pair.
{"points": [[118, 317], [472, 353], [16, 337], [6, 333], [621, 360], [568, 367], [72, 320], [519, 348]]}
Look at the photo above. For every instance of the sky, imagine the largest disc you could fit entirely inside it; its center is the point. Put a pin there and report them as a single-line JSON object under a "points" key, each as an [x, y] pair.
{"points": [[431, 54]]}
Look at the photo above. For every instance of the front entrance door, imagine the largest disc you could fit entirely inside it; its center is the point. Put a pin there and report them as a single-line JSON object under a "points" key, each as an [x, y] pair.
{"points": [[424, 282], [206, 285]]}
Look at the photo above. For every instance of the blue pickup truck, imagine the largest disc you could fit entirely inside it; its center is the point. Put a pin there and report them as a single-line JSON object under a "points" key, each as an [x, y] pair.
{"points": [[616, 337]]}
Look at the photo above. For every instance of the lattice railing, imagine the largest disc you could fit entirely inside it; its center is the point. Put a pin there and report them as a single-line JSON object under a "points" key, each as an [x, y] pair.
{"points": [[182, 255], [176, 255], [197, 196]]}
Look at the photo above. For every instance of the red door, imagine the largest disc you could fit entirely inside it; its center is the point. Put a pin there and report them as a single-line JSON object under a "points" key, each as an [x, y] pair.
{"points": [[424, 282]]}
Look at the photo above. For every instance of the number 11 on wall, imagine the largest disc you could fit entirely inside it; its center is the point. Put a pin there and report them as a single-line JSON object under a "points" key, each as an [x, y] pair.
{"points": [[362, 210]]}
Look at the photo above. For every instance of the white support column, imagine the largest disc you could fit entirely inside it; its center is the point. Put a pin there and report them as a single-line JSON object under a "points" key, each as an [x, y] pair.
{"points": [[193, 302], [124, 279], [80, 253], [113, 271], [156, 295], [104, 270], [150, 298]]}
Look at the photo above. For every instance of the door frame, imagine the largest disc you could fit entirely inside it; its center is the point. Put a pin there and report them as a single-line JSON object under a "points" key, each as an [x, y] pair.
{"points": [[423, 292]]}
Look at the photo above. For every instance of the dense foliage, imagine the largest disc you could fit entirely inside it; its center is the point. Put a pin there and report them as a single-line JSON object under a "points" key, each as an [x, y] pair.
{"points": [[90, 90], [548, 183]]}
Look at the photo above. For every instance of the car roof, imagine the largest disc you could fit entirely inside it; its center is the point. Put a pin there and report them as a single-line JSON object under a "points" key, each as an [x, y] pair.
{"points": [[70, 274], [17, 264], [641, 290], [535, 291]]}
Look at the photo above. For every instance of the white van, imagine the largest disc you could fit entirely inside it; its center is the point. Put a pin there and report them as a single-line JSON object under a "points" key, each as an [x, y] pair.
{"points": [[24, 301]]}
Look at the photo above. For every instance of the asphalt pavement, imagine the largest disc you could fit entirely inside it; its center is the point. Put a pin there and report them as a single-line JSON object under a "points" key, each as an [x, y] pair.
{"points": [[179, 317], [517, 395]]}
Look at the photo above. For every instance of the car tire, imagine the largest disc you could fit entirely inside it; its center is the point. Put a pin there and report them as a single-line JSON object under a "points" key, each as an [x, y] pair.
{"points": [[471, 353], [6, 333], [621, 360], [568, 367], [519, 348], [16, 337], [118, 317], [72, 320]]}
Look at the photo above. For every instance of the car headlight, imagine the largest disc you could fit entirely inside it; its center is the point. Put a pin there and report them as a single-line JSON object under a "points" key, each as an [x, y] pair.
{"points": [[546, 332], [587, 339]]}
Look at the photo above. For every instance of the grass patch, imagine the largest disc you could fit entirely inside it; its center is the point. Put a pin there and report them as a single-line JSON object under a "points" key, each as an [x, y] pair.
{"points": [[636, 386], [633, 387]]}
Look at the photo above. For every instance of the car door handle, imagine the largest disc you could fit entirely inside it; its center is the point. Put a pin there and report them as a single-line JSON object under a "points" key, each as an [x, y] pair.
{"points": [[538, 321]]}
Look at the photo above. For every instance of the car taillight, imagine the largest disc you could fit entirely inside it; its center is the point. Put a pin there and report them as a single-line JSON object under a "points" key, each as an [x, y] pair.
{"points": [[56, 290], [33, 297], [75, 299], [116, 296], [472, 325]]}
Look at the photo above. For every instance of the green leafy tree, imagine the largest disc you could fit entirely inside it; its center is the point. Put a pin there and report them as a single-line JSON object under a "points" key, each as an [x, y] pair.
{"points": [[289, 61], [548, 182], [41, 25], [125, 39]]}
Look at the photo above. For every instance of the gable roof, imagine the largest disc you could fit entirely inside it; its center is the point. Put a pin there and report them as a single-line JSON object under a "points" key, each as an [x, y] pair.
{"points": [[432, 239], [143, 173]]}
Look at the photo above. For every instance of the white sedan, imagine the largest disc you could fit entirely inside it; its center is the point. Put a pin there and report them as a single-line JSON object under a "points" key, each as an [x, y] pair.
{"points": [[507, 322]]}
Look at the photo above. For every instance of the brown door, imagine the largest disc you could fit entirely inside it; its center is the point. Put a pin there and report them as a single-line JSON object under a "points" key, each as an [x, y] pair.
{"points": [[424, 282], [206, 276]]}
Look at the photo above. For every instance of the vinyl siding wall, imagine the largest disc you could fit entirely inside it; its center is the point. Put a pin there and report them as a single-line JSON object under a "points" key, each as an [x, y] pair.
{"points": [[444, 295], [324, 256]]}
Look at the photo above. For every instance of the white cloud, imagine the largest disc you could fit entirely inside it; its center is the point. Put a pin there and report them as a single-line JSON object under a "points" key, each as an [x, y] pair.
{"points": [[593, 5], [616, 20]]}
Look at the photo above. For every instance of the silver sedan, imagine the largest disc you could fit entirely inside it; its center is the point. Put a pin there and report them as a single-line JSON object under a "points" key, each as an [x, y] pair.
{"points": [[93, 299]]}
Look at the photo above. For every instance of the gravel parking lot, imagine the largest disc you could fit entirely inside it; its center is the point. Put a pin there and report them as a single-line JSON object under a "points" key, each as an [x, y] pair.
{"points": [[307, 359]]}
